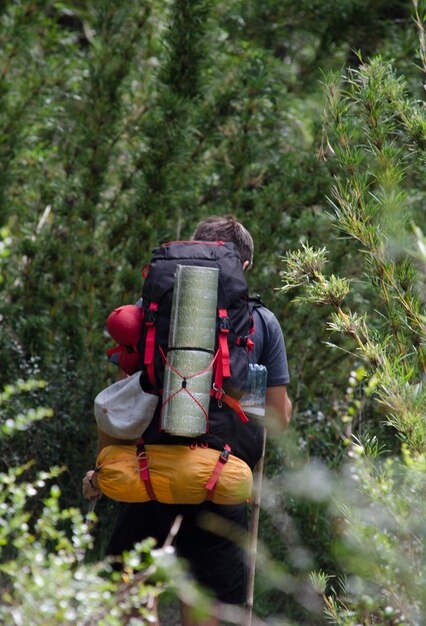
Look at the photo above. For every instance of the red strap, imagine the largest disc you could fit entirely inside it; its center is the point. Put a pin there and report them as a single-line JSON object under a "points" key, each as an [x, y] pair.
{"points": [[236, 405], [223, 342], [251, 331], [210, 486], [218, 374], [250, 342], [245, 341], [150, 342], [144, 469]]}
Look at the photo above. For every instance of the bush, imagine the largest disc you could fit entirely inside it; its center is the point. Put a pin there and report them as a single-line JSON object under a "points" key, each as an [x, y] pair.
{"points": [[376, 139]]}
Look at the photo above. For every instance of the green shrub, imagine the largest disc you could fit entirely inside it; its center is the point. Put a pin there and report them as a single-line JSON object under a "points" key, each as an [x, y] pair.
{"points": [[376, 140]]}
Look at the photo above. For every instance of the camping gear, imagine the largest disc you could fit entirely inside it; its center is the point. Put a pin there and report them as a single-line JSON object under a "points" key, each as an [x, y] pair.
{"points": [[233, 325], [173, 474], [123, 410], [190, 354], [253, 401], [233, 321], [124, 325], [90, 510], [254, 405], [254, 529]]}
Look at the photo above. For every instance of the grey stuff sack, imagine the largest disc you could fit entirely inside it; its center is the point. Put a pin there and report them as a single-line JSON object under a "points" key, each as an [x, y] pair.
{"points": [[123, 410]]}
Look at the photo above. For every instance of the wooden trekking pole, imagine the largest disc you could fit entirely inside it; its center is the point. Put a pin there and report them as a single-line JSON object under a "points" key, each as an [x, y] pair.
{"points": [[254, 527], [90, 509]]}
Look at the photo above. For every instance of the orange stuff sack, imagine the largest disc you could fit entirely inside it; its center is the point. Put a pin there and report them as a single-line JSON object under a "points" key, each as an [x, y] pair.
{"points": [[178, 475]]}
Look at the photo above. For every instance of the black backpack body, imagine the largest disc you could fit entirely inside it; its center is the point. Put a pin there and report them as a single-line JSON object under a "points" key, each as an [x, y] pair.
{"points": [[226, 424]]}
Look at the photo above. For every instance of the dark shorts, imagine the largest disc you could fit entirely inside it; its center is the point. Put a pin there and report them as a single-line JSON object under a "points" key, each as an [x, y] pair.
{"points": [[217, 559]]}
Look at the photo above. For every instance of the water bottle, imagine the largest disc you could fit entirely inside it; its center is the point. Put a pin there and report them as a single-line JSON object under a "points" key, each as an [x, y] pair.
{"points": [[253, 400]]}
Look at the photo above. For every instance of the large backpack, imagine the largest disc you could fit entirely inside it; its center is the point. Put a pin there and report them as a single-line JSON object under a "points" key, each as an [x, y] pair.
{"points": [[227, 423], [233, 319]]}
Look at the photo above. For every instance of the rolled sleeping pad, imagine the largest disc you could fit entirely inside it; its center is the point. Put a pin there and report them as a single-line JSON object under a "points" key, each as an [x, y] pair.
{"points": [[191, 343]]}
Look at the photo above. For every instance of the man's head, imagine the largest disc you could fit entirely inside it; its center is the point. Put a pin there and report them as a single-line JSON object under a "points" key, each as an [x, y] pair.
{"points": [[227, 228]]}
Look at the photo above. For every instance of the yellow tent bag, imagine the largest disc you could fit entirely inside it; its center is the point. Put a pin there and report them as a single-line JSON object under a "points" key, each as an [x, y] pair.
{"points": [[177, 474]]}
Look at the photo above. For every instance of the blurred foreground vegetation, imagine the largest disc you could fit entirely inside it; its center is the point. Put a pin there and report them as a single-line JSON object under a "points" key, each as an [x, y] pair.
{"points": [[122, 126]]}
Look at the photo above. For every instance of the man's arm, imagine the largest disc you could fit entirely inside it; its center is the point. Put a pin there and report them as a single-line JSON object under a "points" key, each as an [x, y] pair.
{"points": [[90, 481], [278, 404], [269, 350]]}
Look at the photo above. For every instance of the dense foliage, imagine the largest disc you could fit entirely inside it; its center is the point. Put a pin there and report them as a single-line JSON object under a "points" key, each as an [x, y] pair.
{"points": [[375, 134], [123, 124]]}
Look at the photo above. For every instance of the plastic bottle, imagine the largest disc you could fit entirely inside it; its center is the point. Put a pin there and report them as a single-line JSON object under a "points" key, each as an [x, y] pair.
{"points": [[254, 398]]}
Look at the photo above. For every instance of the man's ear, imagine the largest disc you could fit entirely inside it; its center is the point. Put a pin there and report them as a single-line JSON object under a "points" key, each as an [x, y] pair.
{"points": [[246, 264]]}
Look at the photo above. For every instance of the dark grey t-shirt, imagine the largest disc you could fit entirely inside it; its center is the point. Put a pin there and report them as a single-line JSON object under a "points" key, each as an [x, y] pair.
{"points": [[269, 347]]}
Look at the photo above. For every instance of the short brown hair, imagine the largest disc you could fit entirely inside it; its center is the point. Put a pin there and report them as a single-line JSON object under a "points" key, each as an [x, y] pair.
{"points": [[226, 228]]}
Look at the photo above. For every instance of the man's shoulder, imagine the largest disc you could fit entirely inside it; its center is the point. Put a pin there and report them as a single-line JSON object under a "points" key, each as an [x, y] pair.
{"points": [[267, 329], [269, 346]]}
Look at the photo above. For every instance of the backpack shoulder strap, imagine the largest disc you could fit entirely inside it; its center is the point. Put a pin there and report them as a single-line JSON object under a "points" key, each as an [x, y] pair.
{"points": [[255, 302]]}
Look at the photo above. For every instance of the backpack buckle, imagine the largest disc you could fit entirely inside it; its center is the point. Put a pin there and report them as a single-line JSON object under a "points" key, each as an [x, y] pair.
{"points": [[224, 455], [150, 318], [216, 392], [245, 342], [224, 324], [242, 341]]}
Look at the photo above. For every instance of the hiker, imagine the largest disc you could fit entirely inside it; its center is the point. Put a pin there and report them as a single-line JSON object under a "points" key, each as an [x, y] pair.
{"points": [[216, 562]]}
